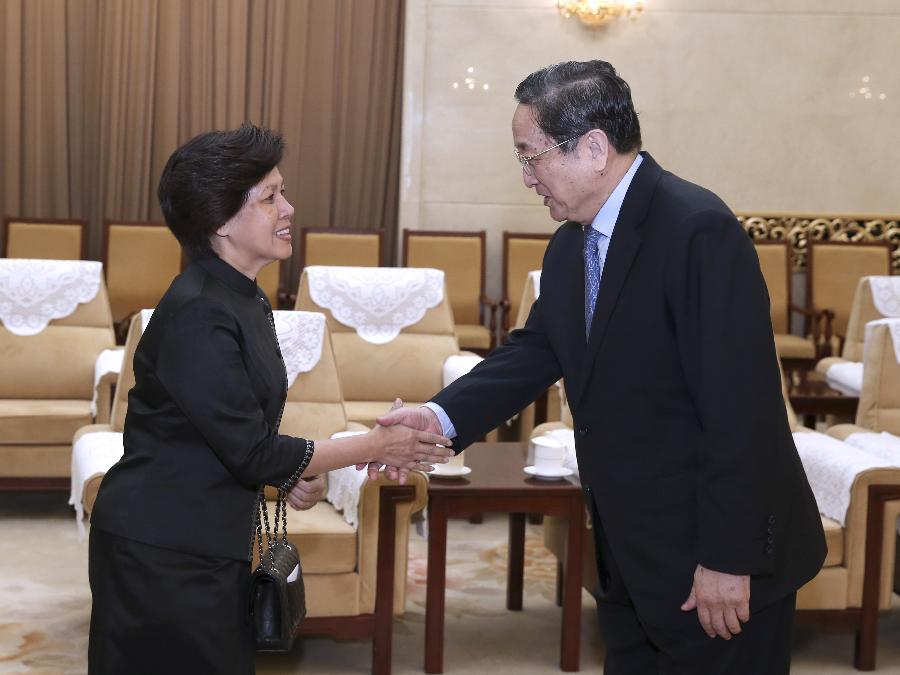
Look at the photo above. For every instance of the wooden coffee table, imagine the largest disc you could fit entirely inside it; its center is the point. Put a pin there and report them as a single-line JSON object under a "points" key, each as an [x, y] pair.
{"points": [[811, 396], [498, 484]]}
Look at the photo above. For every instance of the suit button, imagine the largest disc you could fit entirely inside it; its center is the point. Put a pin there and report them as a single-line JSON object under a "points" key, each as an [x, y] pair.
{"points": [[771, 520], [771, 529], [582, 431], [771, 539], [770, 550]]}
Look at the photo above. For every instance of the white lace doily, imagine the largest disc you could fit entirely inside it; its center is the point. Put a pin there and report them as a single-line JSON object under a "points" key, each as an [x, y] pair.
{"points": [[34, 292], [831, 466], [535, 277], [458, 365], [300, 335], [344, 487], [884, 446], [846, 377], [886, 295], [93, 453], [378, 302], [893, 326]]}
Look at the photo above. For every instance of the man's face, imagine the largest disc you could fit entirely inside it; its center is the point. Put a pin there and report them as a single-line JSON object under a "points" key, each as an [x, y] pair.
{"points": [[569, 183]]}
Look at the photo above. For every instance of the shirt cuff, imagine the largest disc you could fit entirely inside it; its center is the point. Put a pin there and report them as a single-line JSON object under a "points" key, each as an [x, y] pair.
{"points": [[446, 425]]}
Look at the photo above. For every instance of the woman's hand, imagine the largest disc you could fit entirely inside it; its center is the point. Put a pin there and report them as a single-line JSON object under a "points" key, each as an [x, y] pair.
{"points": [[306, 492], [411, 449]]}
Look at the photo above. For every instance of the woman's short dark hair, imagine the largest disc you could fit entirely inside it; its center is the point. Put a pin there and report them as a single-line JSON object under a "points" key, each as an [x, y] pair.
{"points": [[206, 181], [569, 99]]}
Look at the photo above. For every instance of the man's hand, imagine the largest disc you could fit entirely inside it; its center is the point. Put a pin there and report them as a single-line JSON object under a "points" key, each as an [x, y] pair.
{"points": [[422, 419], [722, 601], [306, 492]]}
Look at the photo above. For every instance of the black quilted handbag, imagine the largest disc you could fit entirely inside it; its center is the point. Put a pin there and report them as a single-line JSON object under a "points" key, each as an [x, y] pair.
{"points": [[277, 594]]}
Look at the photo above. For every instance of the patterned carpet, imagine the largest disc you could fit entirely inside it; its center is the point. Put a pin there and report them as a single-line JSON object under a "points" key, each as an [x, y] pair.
{"points": [[45, 608]]}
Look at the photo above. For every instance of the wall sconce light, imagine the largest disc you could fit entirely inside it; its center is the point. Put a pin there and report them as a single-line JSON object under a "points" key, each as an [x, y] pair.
{"points": [[595, 13]]}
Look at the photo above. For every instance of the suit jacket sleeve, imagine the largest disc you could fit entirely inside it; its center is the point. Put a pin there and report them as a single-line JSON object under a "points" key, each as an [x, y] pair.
{"points": [[510, 378], [720, 310], [201, 366]]}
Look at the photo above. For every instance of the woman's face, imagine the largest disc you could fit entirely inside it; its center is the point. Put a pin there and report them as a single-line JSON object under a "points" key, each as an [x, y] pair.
{"points": [[261, 231]]}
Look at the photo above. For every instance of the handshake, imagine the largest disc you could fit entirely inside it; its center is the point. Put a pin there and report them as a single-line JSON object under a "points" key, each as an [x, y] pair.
{"points": [[418, 419]]}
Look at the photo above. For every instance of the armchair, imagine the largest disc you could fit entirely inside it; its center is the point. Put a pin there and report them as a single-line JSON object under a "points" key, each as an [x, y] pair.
{"points": [[795, 350], [49, 347], [461, 256], [47, 239], [846, 370], [406, 342]]}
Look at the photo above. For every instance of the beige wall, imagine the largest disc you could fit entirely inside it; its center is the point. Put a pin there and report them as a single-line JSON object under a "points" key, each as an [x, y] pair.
{"points": [[750, 98]]}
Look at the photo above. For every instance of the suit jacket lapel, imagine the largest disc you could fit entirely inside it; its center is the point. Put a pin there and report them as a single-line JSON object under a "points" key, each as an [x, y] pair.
{"points": [[623, 247]]}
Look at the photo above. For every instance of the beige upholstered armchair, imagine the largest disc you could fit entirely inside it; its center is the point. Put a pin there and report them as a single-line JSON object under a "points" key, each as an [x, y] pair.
{"points": [[855, 583], [399, 348], [461, 255], [355, 574], [49, 341], [775, 264], [846, 370], [549, 407], [46, 239]]}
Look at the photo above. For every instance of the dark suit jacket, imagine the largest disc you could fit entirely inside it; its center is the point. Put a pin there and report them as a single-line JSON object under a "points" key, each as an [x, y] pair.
{"points": [[201, 430], [681, 431]]}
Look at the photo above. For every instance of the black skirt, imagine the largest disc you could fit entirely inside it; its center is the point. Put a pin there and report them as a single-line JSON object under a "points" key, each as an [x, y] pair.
{"points": [[160, 611]]}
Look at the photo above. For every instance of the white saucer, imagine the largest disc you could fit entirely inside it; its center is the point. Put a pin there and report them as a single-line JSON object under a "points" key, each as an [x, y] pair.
{"points": [[445, 471], [552, 474]]}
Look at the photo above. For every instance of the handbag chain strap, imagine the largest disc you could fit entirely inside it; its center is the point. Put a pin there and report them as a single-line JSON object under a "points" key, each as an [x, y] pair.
{"points": [[280, 502]]}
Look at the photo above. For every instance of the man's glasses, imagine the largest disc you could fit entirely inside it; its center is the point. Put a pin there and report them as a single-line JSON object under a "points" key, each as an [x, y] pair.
{"points": [[526, 161]]}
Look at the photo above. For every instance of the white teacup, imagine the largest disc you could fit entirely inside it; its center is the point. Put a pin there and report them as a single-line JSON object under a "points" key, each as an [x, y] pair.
{"points": [[456, 463], [547, 454]]}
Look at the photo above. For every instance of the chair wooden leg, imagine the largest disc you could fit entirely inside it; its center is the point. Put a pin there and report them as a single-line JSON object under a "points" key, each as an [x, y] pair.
{"points": [[384, 589]]}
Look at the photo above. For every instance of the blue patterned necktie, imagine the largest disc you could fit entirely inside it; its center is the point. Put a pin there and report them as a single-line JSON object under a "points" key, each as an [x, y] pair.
{"points": [[591, 276]]}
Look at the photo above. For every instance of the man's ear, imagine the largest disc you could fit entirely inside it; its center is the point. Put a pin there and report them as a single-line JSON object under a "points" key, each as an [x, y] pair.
{"points": [[598, 147]]}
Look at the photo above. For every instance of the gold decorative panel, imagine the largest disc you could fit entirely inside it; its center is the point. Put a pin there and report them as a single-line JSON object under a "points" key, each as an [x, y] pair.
{"points": [[801, 228]]}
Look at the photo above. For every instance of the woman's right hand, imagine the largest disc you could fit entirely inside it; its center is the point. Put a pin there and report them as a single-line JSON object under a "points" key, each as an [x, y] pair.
{"points": [[406, 448]]}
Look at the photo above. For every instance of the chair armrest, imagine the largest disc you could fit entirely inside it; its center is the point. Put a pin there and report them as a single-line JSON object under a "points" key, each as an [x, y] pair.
{"points": [[493, 307], [457, 365], [821, 321], [842, 431], [412, 499], [90, 429], [356, 426]]}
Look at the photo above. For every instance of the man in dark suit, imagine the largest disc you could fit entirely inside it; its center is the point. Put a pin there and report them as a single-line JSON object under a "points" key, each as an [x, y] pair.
{"points": [[654, 311]]}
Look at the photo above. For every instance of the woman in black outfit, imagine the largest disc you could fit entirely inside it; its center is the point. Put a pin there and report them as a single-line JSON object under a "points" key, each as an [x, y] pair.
{"points": [[172, 524]]}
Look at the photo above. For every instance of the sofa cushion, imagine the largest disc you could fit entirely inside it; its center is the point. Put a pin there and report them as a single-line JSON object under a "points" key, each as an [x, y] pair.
{"points": [[36, 461], [327, 544], [366, 412], [834, 541], [473, 336], [41, 421]]}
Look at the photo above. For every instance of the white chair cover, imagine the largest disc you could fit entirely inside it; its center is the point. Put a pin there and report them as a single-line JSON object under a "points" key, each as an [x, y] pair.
{"points": [[300, 335], [378, 302], [34, 292], [93, 453], [344, 487], [846, 377], [831, 467], [886, 295], [893, 326]]}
